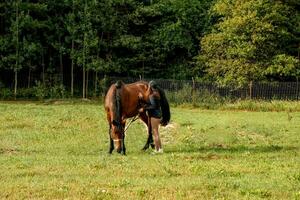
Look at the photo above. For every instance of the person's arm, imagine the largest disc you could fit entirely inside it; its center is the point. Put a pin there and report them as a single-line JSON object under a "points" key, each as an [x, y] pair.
{"points": [[149, 105], [152, 104]]}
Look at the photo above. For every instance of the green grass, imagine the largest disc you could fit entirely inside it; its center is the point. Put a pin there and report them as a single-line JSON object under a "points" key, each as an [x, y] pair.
{"points": [[59, 151]]}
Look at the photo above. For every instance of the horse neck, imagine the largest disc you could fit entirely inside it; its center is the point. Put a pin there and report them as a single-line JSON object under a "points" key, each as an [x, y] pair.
{"points": [[147, 93]]}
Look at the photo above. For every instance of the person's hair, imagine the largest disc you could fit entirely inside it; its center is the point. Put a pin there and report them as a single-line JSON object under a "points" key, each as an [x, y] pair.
{"points": [[165, 108]]}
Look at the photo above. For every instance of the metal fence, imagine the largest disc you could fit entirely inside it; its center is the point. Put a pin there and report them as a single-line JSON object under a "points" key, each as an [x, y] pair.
{"points": [[254, 90]]}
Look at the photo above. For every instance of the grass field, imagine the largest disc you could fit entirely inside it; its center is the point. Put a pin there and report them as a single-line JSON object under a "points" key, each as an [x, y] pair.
{"points": [[59, 151]]}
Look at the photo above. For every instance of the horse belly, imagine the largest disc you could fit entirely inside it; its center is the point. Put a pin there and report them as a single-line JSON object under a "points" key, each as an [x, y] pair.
{"points": [[130, 109]]}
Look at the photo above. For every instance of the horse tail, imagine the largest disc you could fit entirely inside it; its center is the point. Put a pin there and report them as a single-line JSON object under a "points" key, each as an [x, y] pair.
{"points": [[165, 108], [117, 103]]}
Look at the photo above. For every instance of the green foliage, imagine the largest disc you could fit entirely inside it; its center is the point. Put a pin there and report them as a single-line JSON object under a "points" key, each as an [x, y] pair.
{"points": [[240, 41], [23, 93], [103, 86], [42, 91], [262, 106], [181, 96], [162, 38], [251, 39], [26, 93], [6, 93], [57, 92], [186, 96], [284, 65]]}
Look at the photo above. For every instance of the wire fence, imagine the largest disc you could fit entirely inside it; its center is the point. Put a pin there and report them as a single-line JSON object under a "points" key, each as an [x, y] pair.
{"points": [[254, 90], [188, 88]]}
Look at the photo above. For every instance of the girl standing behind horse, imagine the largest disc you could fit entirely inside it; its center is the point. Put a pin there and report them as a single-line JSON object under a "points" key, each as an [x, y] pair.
{"points": [[154, 109]]}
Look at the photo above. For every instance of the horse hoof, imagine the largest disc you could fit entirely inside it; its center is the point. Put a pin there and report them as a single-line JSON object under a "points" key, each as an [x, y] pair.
{"points": [[152, 146], [145, 148]]}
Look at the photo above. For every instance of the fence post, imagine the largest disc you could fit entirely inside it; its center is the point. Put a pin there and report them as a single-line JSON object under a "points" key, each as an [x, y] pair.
{"points": [[193, 90], [250, 89]]}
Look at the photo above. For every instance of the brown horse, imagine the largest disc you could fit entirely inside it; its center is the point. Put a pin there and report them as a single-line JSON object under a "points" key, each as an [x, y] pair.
{"points": [[123, 101]]}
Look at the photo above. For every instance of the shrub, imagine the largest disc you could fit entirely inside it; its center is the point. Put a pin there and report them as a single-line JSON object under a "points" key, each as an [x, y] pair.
{"points": [[26, 93], [6, 93], [197, 98], [57, 92], [40, 90], [43, 91], [103, 86]]}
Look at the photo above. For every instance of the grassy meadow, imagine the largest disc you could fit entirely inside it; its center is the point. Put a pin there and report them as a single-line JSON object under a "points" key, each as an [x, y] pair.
{"points": [[59, 151]]}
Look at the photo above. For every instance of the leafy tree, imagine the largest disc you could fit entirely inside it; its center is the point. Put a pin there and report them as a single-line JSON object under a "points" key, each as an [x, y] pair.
{"points": [[241, 41], [161, 37], [251, 39]]}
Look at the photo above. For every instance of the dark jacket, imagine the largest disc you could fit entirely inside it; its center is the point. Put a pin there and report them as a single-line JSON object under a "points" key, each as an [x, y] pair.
{"points": [[153, 106]]}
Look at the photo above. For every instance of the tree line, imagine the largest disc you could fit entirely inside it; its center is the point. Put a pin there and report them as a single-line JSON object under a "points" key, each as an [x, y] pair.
{"points": [[72, 43]]}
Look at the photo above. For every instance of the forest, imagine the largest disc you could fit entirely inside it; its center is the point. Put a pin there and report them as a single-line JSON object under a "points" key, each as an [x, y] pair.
{"points": [[71, 45]]}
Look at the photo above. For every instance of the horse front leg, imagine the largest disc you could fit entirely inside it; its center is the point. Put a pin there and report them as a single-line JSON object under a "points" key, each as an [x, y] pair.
{"points": [[123, 147]]}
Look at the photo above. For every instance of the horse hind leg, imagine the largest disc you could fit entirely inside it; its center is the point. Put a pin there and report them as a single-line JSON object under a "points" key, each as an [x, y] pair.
{"points": [[152, 143], [149, 142], [150, 138]]}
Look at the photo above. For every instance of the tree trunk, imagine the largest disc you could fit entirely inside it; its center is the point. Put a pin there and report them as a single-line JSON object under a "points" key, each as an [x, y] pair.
{"points": [[61, 66], [143, 64], [72, 70], [29, 77], [87, 84], [96, 83], [16, 84], [83, 69], [72, 57], [84, 53], [17, 50], [43, 68], [83, 83]]}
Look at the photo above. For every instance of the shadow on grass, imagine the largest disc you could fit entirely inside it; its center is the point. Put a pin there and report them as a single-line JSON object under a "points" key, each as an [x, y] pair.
{"points": [[9, 151], [233, 149]]}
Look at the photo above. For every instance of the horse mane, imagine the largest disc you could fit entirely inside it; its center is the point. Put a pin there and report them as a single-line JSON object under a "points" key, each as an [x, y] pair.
{"points": [[165, 108]]}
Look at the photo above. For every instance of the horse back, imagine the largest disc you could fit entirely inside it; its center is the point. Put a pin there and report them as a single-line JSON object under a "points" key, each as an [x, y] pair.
{"points": [[130, 97]]}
